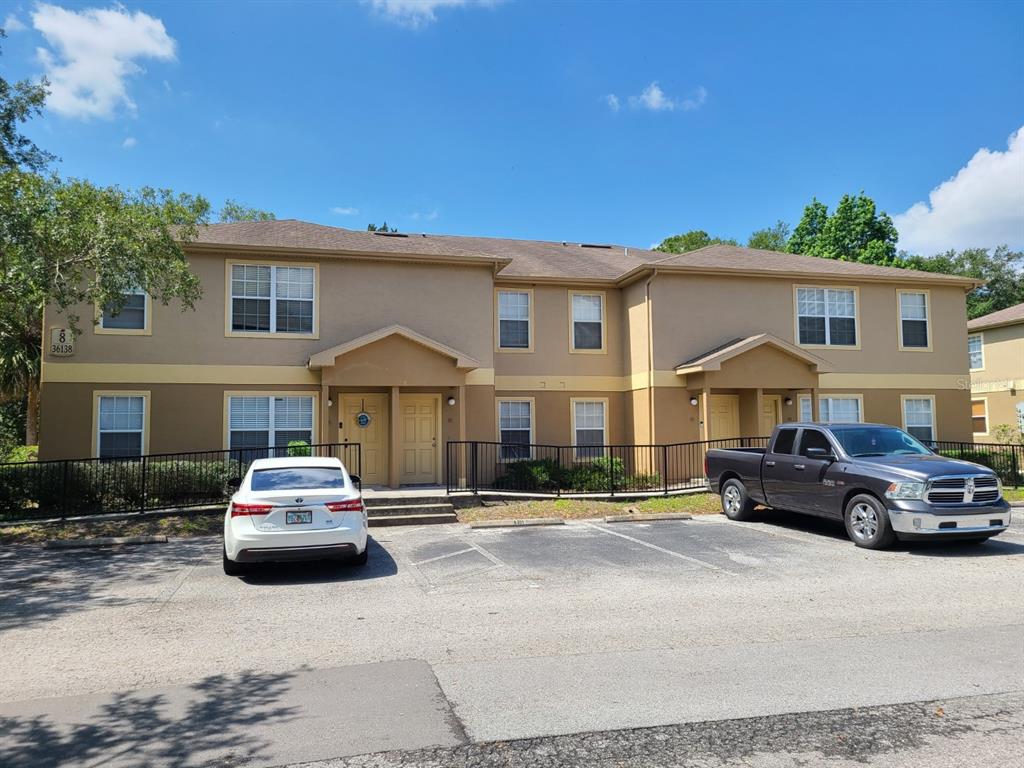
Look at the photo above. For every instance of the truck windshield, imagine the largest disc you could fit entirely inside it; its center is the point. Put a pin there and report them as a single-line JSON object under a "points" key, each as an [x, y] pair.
{"points": [[878, 441]]}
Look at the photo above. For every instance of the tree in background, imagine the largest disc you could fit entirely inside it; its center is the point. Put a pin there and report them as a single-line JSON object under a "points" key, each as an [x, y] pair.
{"points": [[382, 228], [19, 102], [234, 211], [1001, 271], [856, 231], [771, 238], [691, 241]]}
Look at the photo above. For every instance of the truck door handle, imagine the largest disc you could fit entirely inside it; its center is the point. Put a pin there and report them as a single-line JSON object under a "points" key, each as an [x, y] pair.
{"points": [[800, 466], [769, 463]]}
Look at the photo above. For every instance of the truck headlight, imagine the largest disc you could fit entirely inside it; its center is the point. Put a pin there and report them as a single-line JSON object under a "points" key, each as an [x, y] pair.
{"points": [[906, 490]]}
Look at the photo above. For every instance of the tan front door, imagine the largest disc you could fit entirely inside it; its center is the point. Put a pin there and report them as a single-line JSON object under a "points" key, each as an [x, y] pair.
{"points": [[771, 413], [725, 416], [419, 450], [373, 437]]}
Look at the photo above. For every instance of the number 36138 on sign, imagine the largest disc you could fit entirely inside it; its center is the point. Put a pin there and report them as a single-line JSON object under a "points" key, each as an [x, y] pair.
{"points": [[62, 342]]}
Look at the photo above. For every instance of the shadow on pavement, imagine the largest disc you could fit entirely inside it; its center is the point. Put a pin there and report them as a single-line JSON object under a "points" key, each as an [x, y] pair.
{"points": [[380, 565], [221, 720], [38, 585]]}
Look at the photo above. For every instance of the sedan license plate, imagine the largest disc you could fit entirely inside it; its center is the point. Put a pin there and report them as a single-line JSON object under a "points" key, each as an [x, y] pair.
{"points": [[298, 517]]}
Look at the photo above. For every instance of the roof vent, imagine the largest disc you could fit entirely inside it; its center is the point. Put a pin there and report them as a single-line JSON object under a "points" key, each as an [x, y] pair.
{"points": [[595, 245], [390, 234]]}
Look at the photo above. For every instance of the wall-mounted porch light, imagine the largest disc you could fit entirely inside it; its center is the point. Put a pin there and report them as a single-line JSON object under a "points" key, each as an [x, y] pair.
{"points": [[789, 401], [693, 401], [451, 400]]}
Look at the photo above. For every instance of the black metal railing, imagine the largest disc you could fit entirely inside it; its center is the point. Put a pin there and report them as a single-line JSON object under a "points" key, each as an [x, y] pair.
{"points": [[71, 487], [563, 470], [1005, 459]]}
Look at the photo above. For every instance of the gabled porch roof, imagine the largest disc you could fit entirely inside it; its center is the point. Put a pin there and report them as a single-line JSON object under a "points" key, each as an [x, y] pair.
{"points": [[712, 359], [327, 357]]}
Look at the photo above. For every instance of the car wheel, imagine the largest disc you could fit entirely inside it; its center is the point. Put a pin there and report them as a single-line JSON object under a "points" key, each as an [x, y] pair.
{"points": [[867, 523], [231, 568], [736, 505], [362, 557]]}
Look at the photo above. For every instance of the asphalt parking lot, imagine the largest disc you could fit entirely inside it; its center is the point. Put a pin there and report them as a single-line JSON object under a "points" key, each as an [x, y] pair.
{"points": [[453, 640]]}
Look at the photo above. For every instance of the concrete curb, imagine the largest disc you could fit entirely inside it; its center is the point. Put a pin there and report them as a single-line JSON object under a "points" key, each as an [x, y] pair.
{"points": [[1017, 504], [106, 541], [528, 523], [641, 518]]}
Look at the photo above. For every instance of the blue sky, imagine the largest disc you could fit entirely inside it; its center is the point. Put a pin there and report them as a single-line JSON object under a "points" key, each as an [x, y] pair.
{"points": [[496, 118]]}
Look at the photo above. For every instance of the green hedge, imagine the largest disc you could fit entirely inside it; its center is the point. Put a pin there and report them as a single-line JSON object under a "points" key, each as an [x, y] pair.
{"points": [[594, 476], [1005, 463]]}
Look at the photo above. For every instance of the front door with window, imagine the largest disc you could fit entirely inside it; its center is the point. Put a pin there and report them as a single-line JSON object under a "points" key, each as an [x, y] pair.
{"points": [[771, 413], [419, 450], [364, 420]]}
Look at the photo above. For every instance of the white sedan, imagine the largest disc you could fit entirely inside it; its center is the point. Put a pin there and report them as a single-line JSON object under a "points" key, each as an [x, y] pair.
{"points": [[297, 508]]}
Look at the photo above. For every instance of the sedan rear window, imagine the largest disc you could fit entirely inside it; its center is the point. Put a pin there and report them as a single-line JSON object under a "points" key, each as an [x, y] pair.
{"points": [[305, 478]]}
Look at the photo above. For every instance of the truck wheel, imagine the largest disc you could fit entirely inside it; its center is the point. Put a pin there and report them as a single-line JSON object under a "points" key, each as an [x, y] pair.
{"points": [[867, 523], [735, 503]]}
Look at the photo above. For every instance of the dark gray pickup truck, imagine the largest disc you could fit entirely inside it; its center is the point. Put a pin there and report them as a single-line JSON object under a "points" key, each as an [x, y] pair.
{"points": [[879, 480]]}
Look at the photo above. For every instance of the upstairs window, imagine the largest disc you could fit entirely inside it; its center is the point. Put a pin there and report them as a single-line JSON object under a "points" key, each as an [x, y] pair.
{"points": [[914, 320], [514, 319], [827, 316], [272, 299], [133, 315], [587, 321], [974, 352]]}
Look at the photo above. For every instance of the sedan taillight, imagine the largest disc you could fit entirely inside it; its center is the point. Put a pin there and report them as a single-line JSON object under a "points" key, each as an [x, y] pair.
{"points": [[351, 505], [244, 510]]}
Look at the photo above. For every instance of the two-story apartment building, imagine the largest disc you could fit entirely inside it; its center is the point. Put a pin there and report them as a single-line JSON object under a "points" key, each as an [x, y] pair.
{"points": [[402, 342], [995, 344]]}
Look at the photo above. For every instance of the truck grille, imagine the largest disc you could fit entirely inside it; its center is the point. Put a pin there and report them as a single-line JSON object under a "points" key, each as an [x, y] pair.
{"points": [[963, 489]]}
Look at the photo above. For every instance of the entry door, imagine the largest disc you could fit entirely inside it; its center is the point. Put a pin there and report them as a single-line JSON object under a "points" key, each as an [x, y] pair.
{"points": [[771, 413], [419, 439], [725, 416], [372, 434]]}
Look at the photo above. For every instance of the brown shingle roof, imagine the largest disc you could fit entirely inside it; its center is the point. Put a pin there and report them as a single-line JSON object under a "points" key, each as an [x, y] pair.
{"points": [[732, 258], [1008, 316], [536, 259]]}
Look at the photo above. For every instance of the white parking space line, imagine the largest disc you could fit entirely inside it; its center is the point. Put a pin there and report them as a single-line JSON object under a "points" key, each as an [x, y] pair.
{"points": [[445, 557], [785, 533], [656, 548]]}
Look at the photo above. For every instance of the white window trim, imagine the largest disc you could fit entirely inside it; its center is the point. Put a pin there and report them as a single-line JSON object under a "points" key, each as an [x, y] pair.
{"points": [[97, 394], [826, 345], [927, 318], [497, 423], [604, 324], [843, 396], [935, 418], [572, 419], [981, 336], [147, 314], [315, 431], [273, 332], [497, 320], [988, 426], [799, 407]]}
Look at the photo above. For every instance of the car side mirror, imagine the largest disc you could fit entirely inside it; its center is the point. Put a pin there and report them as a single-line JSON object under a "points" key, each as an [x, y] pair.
{"points": [[234, 483], [821, 454]]}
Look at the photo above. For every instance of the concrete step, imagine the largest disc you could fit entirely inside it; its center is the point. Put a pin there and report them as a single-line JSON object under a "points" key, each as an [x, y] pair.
{"points": [[409, 509], [373, 502], [437, 518]]}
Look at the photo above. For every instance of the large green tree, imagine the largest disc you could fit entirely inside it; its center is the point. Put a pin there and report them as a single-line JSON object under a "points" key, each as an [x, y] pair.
{"points": [[855, 231], [1001, 271], [235, 211], [770, 238], [19, 102], [691, 241]]}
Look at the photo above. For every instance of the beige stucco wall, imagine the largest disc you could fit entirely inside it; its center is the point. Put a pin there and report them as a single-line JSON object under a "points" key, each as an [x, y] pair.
{"points": [[553, 414], [1003, 356], [393, 361], [695, 313]]}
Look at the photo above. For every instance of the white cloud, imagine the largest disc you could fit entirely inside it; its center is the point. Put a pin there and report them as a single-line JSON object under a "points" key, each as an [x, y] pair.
{"points": [[656, 100], [418, 13], [93, 52], [13, 24], [425, 215], [613, 102], [342, 211], [130, 142], [982, 206]]}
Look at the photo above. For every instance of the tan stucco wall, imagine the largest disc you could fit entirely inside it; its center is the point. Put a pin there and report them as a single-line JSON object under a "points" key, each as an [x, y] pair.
{"points": [[1003, 355], [553, 414], [695, 313], [393, 361], [1002, 410], [356, 297]]}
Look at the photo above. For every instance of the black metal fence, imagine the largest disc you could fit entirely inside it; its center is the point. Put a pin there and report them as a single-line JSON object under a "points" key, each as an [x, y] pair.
{"points": [[1005, 459], [563, 470], [65, 488]]}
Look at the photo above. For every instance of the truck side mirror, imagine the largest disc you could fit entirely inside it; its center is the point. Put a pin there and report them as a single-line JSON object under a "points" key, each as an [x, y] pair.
{"points": [[821, 454]]}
